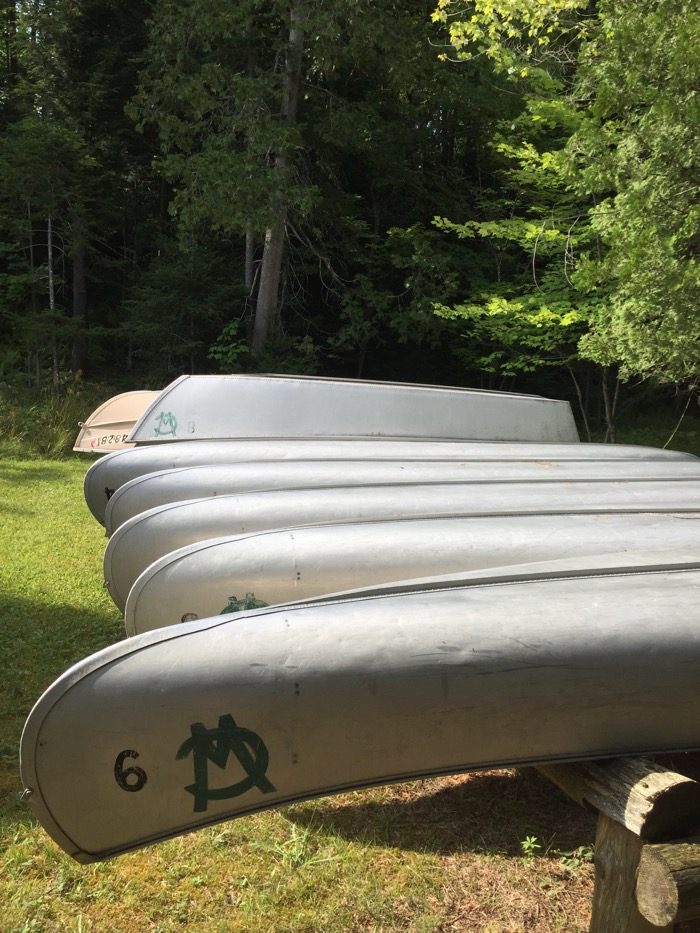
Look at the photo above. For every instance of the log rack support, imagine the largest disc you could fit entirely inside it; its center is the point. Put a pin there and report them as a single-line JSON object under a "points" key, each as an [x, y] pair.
{"points": [[647, 851]]}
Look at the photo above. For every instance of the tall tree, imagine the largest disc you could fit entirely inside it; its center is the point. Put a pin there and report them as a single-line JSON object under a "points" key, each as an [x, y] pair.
{"points": [[221, 85], [271, 267], [629, 72], [637, 152], [68, 164], [319, 129]]}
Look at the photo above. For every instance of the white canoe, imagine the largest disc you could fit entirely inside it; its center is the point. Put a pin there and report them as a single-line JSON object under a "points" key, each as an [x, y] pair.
{"points": [[201, 579], [113, 470], [201, 407], [189, 725], [153, 489], [110, 424]]}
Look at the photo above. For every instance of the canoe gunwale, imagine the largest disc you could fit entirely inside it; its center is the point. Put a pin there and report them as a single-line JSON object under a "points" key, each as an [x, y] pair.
{"points": [[497, 576], [87, 858]]}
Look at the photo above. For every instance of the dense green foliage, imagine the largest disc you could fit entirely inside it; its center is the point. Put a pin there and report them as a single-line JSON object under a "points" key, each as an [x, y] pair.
{"points": [[637, 152], [503, 194], [610, 90]]}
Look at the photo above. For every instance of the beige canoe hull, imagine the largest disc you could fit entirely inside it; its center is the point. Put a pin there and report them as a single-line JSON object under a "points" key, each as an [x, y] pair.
{"points": [[109, 426]]}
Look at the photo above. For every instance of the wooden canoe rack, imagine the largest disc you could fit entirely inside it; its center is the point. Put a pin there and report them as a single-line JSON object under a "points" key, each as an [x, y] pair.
{"points": [[647, 847]]}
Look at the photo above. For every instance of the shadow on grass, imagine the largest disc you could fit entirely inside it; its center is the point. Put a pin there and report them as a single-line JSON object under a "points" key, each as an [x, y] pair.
{"points": [[488, 812], [27, 472], [14, 510], [38, 642]]}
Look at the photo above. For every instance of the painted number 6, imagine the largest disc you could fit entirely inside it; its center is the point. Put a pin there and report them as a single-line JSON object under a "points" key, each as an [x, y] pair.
{"points": [[131, 779]]}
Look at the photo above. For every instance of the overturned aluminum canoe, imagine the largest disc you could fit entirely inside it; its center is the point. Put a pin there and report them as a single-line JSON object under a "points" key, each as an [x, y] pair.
{"points": [[624, 562], [113, 470], [154, 489], [284, 508], [110, 424], [201, 579], [163, 528], [190, 725], [205, 407]]}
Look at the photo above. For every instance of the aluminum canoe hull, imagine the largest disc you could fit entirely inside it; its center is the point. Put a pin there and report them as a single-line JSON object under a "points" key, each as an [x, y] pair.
{"points": [[635, 560], [205, 407], [197, 723], [153, 489], [200, 579], [113, 470], [284, 508]]}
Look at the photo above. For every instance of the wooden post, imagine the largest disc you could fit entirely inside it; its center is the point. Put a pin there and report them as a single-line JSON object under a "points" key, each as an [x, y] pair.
{"points": [[650, 801], [668, 882], [617, 852], [638, 888]]}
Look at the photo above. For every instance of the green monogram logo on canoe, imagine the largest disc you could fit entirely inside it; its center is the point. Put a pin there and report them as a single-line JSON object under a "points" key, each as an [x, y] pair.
{"points": [[166, 424], [216, 745], [249, 601]]}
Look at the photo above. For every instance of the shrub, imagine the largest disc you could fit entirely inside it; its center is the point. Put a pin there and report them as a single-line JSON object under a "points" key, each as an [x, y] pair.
{"points": [[38, 423]]}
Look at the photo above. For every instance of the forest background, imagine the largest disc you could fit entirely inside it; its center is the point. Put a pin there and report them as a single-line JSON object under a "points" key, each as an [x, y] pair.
{"points": [[487, 194]]}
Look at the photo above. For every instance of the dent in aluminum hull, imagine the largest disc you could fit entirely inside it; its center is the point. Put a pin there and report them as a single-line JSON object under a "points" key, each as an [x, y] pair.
{"points": [[202, 407], [115, 469], [200, 579], [194, 724], [154, 489]]}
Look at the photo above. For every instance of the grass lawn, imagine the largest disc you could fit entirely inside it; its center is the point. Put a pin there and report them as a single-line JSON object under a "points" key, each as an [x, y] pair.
{"points": [[437, 855]]}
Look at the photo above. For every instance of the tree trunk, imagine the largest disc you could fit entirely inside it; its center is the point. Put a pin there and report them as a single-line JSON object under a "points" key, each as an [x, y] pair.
{"points": [[268, 290], [579, 396], [10, 68], [266, 308], [52, 304], [249, 267], [79, 348], [249, 272], [610, 405], [32, 295]]}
